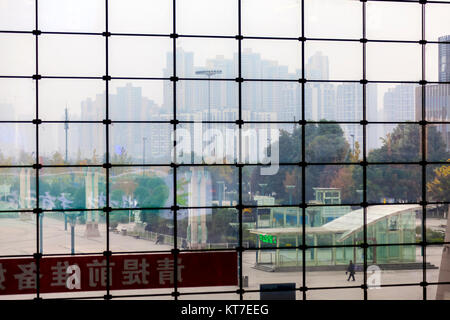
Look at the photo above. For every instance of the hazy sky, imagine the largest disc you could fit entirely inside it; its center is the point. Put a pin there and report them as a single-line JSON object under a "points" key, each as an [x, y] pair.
{"points": [[77, 55]]}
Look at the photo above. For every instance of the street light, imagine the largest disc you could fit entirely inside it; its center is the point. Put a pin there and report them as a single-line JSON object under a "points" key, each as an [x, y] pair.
{"points": [[222, 184], [144, 139], [209, 73]]}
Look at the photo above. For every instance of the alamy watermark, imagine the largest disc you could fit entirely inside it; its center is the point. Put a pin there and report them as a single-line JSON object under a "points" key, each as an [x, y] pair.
{"points": [[227, 146]]}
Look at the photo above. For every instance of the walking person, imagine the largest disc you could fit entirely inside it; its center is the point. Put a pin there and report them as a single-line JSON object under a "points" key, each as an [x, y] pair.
{"points": [[351, 270]]}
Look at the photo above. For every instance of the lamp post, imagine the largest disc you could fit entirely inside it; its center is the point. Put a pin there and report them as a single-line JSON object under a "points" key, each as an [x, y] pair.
{"points": [[66, 129], [144, 139], [221, 184], [209, 73]]}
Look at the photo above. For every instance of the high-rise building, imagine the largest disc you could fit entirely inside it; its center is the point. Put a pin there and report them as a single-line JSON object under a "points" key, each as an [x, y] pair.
{"points": [[444, 59], [398, 106], [437, 108], [349, 107]]}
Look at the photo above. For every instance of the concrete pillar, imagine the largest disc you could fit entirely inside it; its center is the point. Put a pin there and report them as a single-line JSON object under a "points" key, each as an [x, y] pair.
{"points": [[199, 185], [91, 189]]}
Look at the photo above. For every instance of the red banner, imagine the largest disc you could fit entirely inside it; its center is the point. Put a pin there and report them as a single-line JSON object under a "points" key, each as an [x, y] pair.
{"points": [[140, 271]]}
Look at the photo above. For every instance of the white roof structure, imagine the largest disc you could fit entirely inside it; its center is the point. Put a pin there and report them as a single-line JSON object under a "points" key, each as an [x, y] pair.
{"points": [[347, 224]]}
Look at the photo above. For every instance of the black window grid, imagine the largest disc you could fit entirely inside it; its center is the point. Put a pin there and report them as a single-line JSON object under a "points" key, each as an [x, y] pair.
{"points": [[303, 164]]}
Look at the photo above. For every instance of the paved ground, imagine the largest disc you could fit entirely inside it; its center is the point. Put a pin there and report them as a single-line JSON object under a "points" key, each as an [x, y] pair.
{"points": [[18, 237]]}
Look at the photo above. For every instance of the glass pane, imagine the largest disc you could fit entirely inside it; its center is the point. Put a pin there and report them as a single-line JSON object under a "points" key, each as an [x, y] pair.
{"points": [[18, 143], [206, 100], [339, 102], [438, 182], [71, 55], [138, 56], [141, 187], [333, 60], [141, 230], [140, 143], [398, 142], [437, 67], [335, 294], [394, 62], [323, 19], [394, 21], [394, 183], [396, 103], [320, 258], [18, 233], [85, 143], [271, 101], [436, 104], [436, 21], [17, 99], [17, 15], [57, 234], [207, 186], [83, 99], [18, 191], [396, 293], [260, 61], [280, 188], [438, 142], [140, 100], [204, 58], [72, 188], [18, 55], [140, 16], [279, 261], [211, 228], [271, 18], [331, 142], [344, 179], [207, 17], [72, 15]]}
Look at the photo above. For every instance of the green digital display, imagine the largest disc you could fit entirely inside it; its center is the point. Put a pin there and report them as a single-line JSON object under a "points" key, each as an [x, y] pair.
{"points": [[268, 238]]}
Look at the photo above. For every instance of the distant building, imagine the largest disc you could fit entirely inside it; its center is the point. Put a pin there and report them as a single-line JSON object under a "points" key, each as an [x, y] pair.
{"points": [[437, 108], [398, 106], [444, 59]]}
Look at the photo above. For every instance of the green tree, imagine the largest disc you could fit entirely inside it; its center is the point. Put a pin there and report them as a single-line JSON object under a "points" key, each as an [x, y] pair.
{"points": [[151, 192], [402, 182]]}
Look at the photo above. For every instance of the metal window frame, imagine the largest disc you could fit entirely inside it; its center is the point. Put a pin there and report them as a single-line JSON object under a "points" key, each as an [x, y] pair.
{"points": [[239, 124]]}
